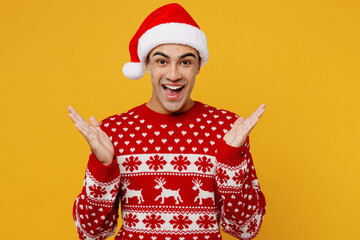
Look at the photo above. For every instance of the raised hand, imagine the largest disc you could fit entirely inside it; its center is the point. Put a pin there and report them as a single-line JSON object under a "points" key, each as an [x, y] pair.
{"points": [[98, 140], [237, 135]]}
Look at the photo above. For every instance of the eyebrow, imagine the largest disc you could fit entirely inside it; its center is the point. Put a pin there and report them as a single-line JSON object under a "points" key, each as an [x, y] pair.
{"points": [[187, 55], [182, 56], [161, 54]]}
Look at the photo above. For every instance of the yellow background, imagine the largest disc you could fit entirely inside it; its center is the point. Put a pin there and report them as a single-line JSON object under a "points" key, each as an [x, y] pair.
{"points": [[300, 58]]}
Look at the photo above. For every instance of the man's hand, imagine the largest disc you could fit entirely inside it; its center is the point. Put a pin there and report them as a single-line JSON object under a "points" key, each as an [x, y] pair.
{"points": [[98, 140], [237, 135]]}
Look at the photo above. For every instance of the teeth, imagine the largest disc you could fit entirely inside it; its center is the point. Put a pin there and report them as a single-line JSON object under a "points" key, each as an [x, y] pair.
{"points": [[173, 87]]}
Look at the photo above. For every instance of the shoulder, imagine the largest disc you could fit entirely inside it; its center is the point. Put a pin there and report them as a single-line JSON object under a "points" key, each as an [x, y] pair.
{"points": [[114, 121], [225, 118], [219, 113], [222, 119]]}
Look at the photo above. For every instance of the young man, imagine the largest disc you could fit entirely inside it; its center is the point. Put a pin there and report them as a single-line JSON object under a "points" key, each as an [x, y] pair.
{"points": [[179, 167]]}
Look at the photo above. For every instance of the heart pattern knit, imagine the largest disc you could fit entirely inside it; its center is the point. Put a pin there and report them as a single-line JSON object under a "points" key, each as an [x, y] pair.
{"points": [[174, 177]]}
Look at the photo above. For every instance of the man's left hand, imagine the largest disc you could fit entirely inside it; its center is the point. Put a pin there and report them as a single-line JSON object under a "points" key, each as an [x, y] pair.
{"points": [[237, 135]]}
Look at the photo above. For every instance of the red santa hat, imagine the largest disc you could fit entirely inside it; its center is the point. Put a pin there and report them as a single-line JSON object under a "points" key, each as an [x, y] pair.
{"points": [[168, 24]]}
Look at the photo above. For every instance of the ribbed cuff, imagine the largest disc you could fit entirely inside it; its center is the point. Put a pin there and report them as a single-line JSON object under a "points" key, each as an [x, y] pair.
{"points": [[101, 172], [232, 156]]}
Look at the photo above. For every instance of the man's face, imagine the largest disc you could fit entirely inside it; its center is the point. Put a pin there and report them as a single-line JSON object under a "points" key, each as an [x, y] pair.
{"points": [[173, 69]]}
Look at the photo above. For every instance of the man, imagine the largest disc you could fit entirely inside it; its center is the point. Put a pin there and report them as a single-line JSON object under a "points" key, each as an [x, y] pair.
{"points": [[179, 167]]}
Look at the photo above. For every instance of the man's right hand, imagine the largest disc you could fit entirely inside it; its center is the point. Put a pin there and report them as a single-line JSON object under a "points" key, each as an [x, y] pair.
{"points": [[98, 140]]}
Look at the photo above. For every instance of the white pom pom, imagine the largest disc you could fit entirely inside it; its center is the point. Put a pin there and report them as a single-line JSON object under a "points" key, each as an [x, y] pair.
{"points": [[134, 70]]}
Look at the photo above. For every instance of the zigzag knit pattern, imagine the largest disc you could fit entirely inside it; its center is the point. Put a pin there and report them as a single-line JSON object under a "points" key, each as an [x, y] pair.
{"points": [[175, 177]]}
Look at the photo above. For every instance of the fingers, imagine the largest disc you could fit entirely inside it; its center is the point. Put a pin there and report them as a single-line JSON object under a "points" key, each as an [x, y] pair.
{"points": [[258, 112], [73, 114], [81, 124], [89, 134], [261, 110], [251, 121], [238, 122], [82, 130], [77, 118], [94, 122]]}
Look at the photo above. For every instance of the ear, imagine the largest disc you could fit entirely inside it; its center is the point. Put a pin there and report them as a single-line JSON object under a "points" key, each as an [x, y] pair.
{"points": [[147, 66], [199, 66]]}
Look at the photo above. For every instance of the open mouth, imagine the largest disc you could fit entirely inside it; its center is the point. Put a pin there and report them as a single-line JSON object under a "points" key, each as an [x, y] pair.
{"points": [[172, 92]]}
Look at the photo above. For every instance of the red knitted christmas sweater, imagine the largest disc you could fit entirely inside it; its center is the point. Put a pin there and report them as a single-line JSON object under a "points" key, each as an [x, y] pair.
{"points": [[175, 177]]}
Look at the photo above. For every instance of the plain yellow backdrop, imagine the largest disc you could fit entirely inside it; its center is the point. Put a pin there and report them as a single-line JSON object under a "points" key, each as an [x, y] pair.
{"points": [[300, 58]]}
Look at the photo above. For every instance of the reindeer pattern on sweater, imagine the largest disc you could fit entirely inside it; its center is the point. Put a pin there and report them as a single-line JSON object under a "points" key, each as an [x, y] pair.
{"points": [[175, 177]]}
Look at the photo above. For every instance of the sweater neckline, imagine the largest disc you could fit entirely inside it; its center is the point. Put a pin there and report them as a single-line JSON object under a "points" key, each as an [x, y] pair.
{"points": [[153, 116]]}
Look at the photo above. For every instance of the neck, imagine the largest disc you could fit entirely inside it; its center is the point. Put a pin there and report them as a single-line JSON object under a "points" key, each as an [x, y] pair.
{"points": [[159, 108], [156, 116]]}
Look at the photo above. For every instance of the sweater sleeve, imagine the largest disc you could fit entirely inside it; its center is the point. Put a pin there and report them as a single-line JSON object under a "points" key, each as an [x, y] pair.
{"points": [[241, 201], [95, 210]]}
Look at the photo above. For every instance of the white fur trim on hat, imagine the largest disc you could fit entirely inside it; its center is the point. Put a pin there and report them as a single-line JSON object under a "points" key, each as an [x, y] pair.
{"points": [[134, 70], [177, 33]]}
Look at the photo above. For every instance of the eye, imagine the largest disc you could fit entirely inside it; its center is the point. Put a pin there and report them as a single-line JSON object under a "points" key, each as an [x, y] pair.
{"points": [[185, 62], [161, 61]]}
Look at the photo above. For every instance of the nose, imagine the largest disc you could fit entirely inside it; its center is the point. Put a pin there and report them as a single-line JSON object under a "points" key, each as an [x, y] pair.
{"points": [[173, 73]]}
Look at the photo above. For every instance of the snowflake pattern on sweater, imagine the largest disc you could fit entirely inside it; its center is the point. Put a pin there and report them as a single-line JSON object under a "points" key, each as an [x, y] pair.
{"points": [[175, 177]]}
